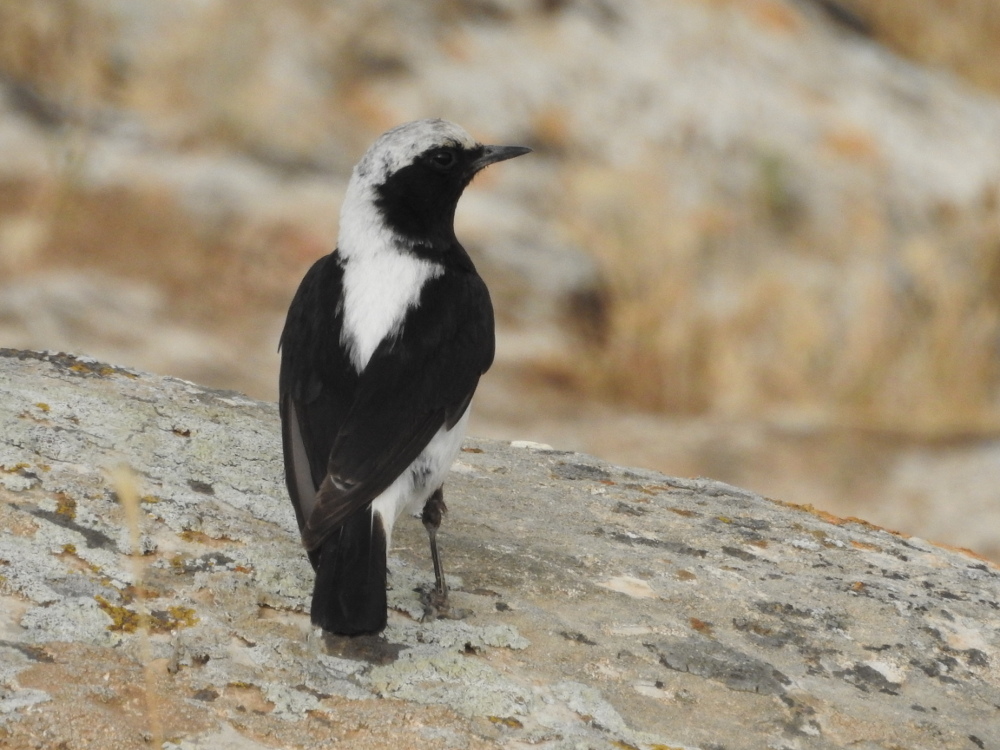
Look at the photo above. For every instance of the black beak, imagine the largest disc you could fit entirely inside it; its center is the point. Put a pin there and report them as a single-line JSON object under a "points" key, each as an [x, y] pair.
{"points": [[493, 154]]}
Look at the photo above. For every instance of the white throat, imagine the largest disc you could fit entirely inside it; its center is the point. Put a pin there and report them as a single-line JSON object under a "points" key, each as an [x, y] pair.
{"points": [[381, 279]]}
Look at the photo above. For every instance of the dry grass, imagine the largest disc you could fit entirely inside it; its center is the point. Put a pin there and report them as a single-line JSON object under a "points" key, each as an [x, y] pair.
{"points": [[735, 310], [711, 312], [224, 74], [206, 271], [60, 47], [722, 311], [124, 481], [961, 36]]}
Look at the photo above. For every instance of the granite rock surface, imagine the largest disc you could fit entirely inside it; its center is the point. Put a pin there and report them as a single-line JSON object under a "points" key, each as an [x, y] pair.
{"points": [[608, 607]]}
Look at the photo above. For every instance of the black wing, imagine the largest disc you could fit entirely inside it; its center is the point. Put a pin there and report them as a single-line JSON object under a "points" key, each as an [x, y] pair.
{"points": [[413, 385], [316, 383], [348, 436]]}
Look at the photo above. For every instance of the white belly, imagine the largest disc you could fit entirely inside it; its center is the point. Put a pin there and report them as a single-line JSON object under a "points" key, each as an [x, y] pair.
{"points": [[412, 488]]}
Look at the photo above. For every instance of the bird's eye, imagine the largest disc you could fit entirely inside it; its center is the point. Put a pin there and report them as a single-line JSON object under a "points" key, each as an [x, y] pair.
{"points": [[444, 158]]}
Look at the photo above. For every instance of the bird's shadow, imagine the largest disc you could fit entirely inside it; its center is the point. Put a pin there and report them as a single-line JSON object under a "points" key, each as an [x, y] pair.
{"points": [[372, 648]]}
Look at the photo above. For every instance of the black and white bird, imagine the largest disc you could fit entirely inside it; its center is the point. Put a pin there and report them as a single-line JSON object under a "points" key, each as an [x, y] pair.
{"points": [[382, 350]]}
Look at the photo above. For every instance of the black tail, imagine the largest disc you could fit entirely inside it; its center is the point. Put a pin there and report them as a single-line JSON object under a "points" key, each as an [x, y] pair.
{"points": [[349, 597]]}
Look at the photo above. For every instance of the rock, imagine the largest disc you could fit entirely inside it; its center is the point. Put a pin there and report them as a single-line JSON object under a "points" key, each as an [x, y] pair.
{"points": [[610, 607]]}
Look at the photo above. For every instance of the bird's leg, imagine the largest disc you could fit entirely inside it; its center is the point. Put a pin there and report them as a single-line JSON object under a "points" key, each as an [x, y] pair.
{"points": [[434, 509]]}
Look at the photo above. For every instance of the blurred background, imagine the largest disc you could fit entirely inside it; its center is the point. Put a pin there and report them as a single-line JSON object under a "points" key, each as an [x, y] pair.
{"points": [[758, 240]]}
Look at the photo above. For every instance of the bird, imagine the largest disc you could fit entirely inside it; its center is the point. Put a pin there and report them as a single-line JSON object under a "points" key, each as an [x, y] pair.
{"points": [[383, 347]]}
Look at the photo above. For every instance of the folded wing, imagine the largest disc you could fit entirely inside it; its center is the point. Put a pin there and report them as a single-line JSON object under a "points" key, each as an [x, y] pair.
{"points": [[347, 437]]}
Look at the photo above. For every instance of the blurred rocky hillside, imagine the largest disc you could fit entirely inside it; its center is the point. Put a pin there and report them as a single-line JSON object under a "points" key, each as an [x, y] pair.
{"points": [[758, 239]]}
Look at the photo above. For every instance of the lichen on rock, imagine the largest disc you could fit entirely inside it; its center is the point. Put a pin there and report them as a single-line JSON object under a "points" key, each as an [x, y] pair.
{"points": [[607, 607]]}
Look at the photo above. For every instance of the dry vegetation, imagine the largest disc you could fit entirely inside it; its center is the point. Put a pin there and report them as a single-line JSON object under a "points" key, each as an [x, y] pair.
{"points": [[206, 271], [740, 310], [959, 35], [728, 311], [702, 315], [61, 48]]}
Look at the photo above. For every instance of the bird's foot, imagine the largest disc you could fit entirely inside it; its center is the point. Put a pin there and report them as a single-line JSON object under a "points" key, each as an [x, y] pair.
{"points": [[437, 606]]}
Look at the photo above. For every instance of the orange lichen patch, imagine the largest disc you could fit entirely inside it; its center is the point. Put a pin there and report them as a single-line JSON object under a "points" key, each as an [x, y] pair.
{"points": [[968, 552], [130, 593], [864, 545], [125, 620], [199, 537], [762, 543], [506, 721], [472, 450], [857, 586], [682, 512], [177, 617], [701, 626], [93, 368], [65, 505], [83, 368], [837, 520]]}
